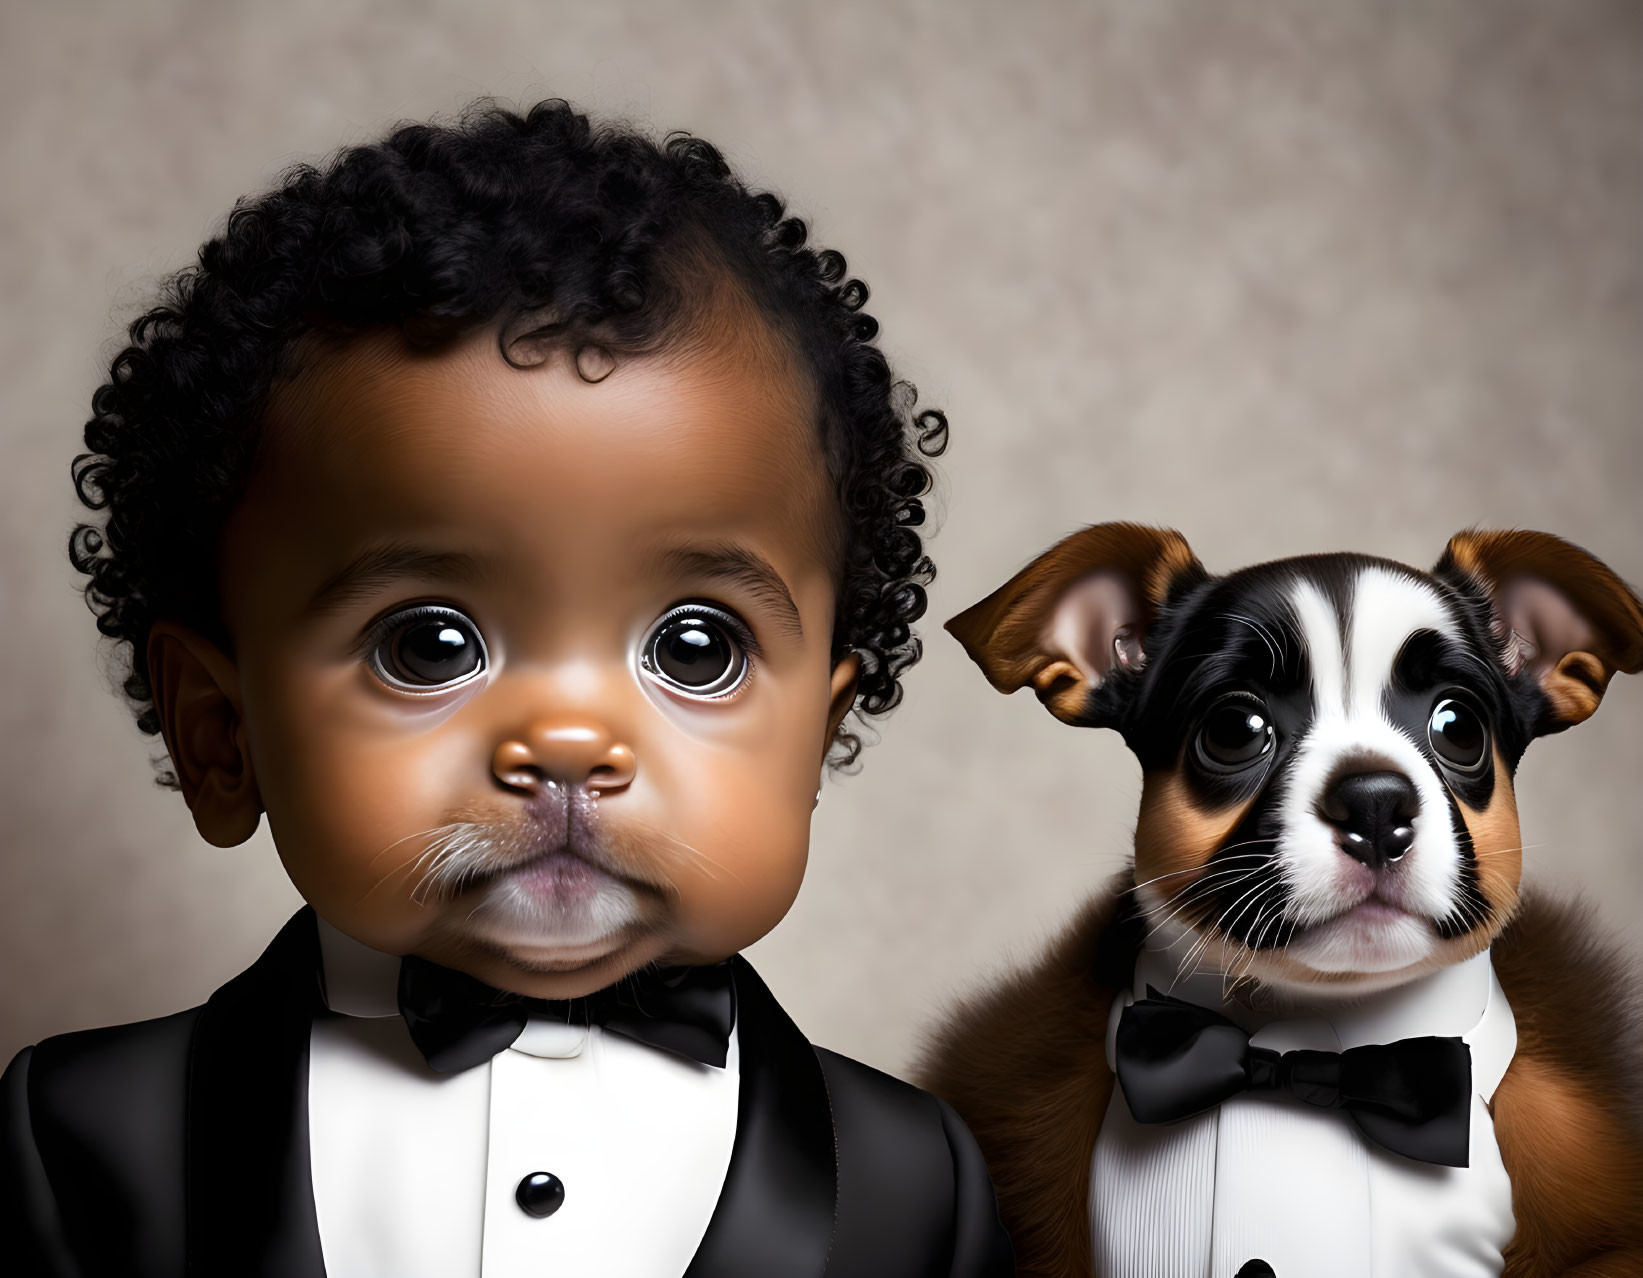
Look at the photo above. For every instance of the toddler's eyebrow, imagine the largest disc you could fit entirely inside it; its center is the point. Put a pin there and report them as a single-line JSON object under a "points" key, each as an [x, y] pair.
{"points": [[738, 566], [381, 565]]}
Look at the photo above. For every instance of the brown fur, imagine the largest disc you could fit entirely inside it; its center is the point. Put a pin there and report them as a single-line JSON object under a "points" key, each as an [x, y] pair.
{"points": [[1025, 1065], [1597, 593], [1497, 843], [1174, 836], [1569, 1113], [1575, 687], [1006, 633]]}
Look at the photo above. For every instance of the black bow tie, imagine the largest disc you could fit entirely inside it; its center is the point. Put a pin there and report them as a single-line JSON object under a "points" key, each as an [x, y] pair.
{"points": [[1176, 1059], [458, 1022]]}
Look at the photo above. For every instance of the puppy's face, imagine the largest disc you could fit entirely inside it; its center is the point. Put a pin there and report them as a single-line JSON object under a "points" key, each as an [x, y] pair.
{"points": [[1328, 747], [1327, 743]]}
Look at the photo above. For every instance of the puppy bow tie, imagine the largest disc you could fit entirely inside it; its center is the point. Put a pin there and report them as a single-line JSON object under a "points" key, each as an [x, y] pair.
{"points": [[457, 1021], [1175, 1059]]}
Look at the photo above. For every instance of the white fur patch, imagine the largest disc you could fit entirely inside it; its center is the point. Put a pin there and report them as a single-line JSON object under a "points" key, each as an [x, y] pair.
{"points": [[1350, 676], [1386, 610], [1325, 654]]}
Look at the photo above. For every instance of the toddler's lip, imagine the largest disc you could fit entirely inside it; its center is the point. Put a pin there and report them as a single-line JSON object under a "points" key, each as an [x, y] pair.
{"points": [[566, 958], [559, 877], [562, 871], [560, 907]]}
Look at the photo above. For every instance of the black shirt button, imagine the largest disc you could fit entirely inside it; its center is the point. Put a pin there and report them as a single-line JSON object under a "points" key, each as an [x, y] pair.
{"points": [[1256, 1269], [540, 1194]]}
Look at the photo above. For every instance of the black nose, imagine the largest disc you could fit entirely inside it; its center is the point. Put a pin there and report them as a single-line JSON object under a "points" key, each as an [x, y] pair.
{"points": [[1373, 811]]}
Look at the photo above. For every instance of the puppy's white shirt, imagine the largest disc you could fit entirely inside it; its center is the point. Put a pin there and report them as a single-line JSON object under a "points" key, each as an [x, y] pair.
{"points": [[1269, 1177]]}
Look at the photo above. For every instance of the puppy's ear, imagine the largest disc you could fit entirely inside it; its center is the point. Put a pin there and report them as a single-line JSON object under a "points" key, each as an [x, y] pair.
{"points": [[1565, 621], [1079, 611]]}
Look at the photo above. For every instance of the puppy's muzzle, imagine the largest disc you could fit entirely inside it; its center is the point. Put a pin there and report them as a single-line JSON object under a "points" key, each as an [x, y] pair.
{"points": [[1374, 812]]}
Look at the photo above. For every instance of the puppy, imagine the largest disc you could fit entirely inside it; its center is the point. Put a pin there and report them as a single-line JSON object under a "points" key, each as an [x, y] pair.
{"points": [[1344, 1044]]}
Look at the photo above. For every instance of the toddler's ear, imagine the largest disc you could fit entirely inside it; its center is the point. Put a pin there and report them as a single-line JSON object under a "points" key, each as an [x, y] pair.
{"points": [[1079, 611], [196, 695], [1566, 622], [846, 676]]}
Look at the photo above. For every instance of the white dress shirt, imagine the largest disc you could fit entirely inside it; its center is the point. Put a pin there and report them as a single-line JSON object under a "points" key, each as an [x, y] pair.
{"points": [[1269, 1177], [415, 1172]]}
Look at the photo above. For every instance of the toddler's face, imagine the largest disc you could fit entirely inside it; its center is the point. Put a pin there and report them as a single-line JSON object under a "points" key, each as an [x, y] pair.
{"points": [[534, 673]]}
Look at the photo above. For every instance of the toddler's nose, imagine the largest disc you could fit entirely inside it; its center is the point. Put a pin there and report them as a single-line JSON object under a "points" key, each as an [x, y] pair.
{"points": [[569, 753]]}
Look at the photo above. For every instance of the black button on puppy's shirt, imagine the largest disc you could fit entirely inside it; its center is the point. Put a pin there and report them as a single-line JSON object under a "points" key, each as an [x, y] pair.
{"points": [[540, 1194]]}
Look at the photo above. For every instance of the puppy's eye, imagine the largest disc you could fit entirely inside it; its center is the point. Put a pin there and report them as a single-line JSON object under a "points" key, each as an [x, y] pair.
{"points": [[1236, 734], [1458, 734], [698, 651], [427, 649]]}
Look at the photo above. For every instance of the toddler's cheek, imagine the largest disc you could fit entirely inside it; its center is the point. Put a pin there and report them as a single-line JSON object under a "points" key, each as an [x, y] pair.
{"points": [[367, 900], [351, 848], [744, 880]]}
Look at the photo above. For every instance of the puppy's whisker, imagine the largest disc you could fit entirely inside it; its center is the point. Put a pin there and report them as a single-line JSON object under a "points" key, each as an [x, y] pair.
{"points": [[1231, 919], [1239, 969], [1277, 920], [1261, 633], [1195, 957], [1192, 903], [1194, 953], [1192, 897], [1189, 903], [1272, 914], [1244, 843], [1225, 922], [1527, 847], [1193, 869], [1198, 888], [1211, 877], [1264, 917]]}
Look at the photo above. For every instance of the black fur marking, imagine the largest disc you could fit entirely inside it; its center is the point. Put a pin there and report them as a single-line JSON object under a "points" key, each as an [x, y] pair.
{"points": [[1471, 909], [1244, 891], [1240, 633], [1228, 633], [1429, 667], [1524, 711], [1120, 941]]}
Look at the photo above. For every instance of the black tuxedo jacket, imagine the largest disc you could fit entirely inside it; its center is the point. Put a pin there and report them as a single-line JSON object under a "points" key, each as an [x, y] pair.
{"points": [[179, 1146]]}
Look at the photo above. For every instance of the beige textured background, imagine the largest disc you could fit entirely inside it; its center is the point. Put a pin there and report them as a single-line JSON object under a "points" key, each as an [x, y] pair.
{"points": [[1290, 276]]}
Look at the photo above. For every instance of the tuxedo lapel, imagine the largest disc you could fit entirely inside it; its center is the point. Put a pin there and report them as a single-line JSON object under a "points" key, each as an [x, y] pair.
{"points": [[250, 1195], [777, 1209]]}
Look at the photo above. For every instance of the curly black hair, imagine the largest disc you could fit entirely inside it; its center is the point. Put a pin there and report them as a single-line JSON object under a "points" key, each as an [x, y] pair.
{"points": [[559, 230]]}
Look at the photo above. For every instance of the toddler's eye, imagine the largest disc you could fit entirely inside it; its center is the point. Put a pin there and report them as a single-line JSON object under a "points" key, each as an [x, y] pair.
{"points": [[427, 649], [697, 650]]}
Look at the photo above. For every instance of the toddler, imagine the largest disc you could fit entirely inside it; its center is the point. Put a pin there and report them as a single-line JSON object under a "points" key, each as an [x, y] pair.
{"points": [[513, 511]]}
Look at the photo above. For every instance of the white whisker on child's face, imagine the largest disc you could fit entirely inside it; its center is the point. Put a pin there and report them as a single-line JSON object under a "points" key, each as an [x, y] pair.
{"points": [[543, 766]]}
